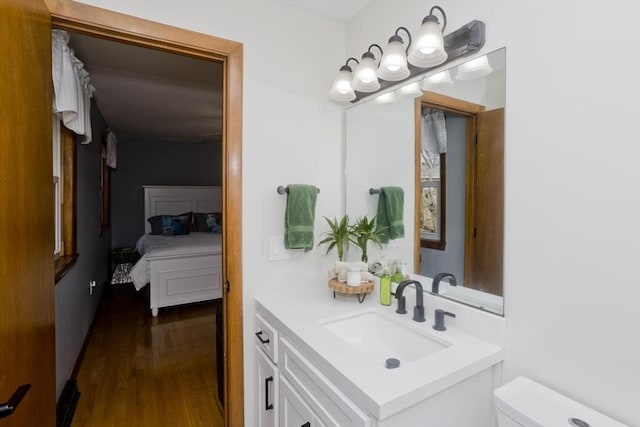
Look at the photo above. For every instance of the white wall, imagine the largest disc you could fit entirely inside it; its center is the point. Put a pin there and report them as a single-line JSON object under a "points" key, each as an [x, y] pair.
{"points": [[373, 160], [291, 132], [75, 307], [572, 204]]}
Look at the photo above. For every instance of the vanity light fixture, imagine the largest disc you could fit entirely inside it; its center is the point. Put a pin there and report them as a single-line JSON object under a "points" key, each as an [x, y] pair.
{"points": [[437, 81], [428, 49], [400, 63], [342, 91], [393, 65], [365, 78], [386, 98], [473, 69], [410, 90]]}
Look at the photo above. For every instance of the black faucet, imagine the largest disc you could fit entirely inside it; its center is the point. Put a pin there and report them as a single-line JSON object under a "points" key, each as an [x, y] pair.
{"points": [[418, 310], [435, 285], [438, 318]]}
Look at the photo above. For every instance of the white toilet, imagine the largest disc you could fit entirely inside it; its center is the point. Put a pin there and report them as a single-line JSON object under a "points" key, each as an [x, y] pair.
{"points": [[524, 403]]}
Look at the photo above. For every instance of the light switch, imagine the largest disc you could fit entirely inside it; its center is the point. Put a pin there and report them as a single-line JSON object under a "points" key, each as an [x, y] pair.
{"points": [[277, 251]]}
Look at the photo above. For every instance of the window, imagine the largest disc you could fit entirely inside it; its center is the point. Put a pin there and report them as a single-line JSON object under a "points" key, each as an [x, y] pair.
{"points": [[64, 186], [433, 178], [57, 183]]}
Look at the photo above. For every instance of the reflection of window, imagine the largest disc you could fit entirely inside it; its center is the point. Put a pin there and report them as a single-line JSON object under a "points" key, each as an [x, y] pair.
{"points": [[433, 149], [432, 201], [430, 195], [64, 186], [429, 226]]}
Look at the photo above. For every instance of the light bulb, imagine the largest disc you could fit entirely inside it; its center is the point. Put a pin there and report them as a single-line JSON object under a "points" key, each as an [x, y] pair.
{"points": [[342, 91], [393, 65], [365, 78], [428, 50]]}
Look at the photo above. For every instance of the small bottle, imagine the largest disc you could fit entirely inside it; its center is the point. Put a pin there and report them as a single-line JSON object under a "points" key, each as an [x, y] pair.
{"points": [[397, 276], [385, 288], [403, 269]]}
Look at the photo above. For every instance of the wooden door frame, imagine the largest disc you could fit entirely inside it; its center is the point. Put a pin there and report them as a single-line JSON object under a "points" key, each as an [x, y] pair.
{"points": [[457, 106], [94, 21]]}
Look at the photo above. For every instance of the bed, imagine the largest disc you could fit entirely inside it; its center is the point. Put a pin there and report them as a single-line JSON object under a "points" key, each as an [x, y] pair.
{"points": [[179, 269]]}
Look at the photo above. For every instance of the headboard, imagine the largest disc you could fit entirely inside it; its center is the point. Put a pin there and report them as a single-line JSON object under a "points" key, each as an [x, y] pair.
{"points": [[174, 200]]}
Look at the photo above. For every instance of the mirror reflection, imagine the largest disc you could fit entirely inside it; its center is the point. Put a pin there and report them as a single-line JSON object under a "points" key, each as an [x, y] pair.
{"points": [[445, 148]]}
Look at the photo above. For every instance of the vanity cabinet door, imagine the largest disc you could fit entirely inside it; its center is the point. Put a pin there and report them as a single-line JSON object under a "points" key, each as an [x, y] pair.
{"points": [[267, 391], [293, 411], [331, 406]]}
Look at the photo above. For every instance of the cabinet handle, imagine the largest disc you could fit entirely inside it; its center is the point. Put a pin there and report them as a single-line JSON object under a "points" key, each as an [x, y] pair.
{"points": [[259, 335], [307, 424], [267, 406]]}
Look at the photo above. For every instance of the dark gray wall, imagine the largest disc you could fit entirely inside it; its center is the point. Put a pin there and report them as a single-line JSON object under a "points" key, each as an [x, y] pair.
{"points": [[75, 308], [451, 260], [152, 162]]}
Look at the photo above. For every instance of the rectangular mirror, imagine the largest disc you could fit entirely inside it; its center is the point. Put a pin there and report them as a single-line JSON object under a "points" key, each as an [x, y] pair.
{"points": [[445, 149]]}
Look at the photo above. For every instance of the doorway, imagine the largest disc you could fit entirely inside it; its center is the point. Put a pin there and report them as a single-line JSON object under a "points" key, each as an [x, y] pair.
{"points": [[475, 254], [110, 25]]}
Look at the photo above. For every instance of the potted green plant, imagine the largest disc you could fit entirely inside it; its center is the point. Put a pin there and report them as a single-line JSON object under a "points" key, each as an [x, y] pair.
{"points": [[363, 231], [338, 236]]}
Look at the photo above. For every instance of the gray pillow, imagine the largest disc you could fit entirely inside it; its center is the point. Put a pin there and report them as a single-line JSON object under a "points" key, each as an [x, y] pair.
{"points": [[156, 222]]}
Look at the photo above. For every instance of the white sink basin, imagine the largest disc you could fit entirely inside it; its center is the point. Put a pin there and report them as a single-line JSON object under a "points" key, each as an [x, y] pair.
{"points": [[380, 338]]}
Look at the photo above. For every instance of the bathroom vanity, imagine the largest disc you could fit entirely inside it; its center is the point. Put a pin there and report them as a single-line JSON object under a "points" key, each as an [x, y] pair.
{"points": [[327, 362]]}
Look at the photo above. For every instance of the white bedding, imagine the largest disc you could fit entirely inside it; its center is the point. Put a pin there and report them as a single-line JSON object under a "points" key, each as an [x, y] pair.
{"points": [[157, 246]]}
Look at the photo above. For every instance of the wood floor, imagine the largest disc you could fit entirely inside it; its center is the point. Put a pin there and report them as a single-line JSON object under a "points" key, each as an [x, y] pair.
{"points": [[139, 371]]}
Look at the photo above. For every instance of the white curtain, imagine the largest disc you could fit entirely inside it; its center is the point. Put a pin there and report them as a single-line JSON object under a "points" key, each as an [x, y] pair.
{"points": [[434, 137], [72, 89], [110, 152]]}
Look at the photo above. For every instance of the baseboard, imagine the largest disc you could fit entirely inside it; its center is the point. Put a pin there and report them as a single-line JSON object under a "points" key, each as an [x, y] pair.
{"points": [[87, 337], [67, 403]]}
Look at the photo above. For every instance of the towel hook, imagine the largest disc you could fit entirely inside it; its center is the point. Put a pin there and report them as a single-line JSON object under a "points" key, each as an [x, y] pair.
{"points": [[373, 191], [282, 189]]}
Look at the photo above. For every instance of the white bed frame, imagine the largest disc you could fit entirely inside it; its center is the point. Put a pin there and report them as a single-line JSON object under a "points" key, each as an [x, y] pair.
{"points": [[182, 279]]}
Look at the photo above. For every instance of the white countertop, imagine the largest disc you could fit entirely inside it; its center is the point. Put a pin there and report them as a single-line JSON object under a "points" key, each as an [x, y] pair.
{"points": [[299, 311]]}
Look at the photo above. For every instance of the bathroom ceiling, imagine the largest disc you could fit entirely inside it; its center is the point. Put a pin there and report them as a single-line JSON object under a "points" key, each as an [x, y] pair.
{"points": [[152, 94]]}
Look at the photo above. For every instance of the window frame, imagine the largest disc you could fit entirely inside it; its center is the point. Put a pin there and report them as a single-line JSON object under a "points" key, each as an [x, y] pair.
{"points": [[65, 248]]}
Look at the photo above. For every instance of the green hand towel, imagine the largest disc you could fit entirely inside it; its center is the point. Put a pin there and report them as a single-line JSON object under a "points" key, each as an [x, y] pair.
{"points": [[389, 218], [299, 217]]}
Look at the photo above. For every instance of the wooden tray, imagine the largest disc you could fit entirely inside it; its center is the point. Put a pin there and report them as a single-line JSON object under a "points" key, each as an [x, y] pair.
{"points": [[342, 288]]}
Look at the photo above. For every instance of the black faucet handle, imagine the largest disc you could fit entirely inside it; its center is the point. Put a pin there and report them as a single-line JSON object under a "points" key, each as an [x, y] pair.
{"points": [[402, 304], [435, 284], [438, 323], [418, 313]]}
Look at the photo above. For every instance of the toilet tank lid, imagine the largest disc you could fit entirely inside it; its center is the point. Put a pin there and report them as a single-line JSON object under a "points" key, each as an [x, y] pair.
{"points": [[527, 401]]}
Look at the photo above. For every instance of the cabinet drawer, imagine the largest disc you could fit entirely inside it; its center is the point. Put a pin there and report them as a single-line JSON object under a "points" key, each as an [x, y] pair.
{"points": [[331, 406], [267, 338]]}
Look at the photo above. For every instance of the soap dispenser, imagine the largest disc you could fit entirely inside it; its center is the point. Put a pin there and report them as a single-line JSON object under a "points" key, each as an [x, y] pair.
{"points": [[385, 288]]}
